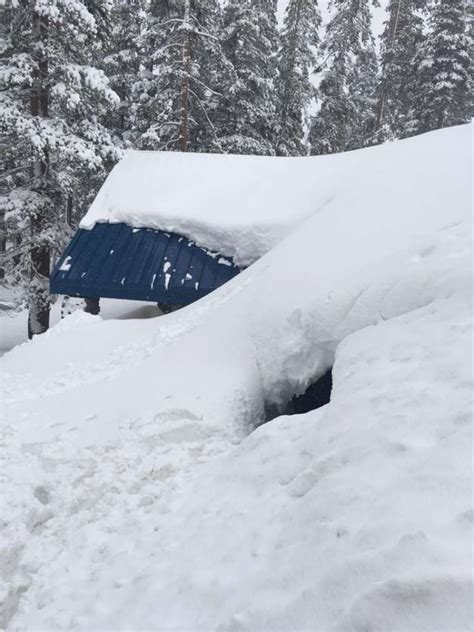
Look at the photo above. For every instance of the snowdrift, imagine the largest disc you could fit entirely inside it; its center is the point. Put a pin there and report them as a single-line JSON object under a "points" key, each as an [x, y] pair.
{"points": [[136, 500]]}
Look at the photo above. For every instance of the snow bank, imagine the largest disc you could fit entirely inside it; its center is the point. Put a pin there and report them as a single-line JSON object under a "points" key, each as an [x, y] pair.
{"points": [[242, 206], [133, 499], [355, 517]]}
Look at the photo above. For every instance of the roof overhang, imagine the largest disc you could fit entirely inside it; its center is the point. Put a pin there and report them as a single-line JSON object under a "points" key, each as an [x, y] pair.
{"points": [[114, 260]]}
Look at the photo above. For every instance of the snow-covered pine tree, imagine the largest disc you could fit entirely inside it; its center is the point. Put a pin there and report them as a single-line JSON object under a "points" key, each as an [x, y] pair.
{"points": [[364, 89], [348, 85], [179, 91], [122, 61], [250, 39], [297, 60], [50, 103], [470, 37], [400, 41], [443, 90]]}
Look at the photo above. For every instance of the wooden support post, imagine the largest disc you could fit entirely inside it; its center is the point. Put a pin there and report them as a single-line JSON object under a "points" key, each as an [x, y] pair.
{"points": [[92, 306]]}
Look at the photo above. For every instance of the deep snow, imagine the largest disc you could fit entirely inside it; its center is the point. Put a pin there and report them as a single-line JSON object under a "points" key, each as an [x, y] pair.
{"points": [[135, 497], [242, 206]]}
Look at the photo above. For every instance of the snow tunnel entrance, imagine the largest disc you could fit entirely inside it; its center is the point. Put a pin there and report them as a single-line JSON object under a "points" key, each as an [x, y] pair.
{"points": [[317, 394]]}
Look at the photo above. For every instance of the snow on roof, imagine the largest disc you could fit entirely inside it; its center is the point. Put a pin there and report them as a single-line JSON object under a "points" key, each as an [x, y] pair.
{"points": [[242, 206], [238, 205]]}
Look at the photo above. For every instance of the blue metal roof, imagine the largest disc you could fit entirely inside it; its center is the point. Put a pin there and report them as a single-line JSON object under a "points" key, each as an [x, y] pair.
{"points": [[118, 261]]}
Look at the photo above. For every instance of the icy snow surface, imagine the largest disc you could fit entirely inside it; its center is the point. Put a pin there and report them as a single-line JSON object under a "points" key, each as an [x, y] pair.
{"points": [[135, 497]]}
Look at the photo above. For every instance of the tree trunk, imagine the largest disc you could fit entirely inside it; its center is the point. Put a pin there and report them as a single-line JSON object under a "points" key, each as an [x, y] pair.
{"points": [[186, 60], [39, 302], [394, 19], [289, 79], [69, 209], [3, 243]]}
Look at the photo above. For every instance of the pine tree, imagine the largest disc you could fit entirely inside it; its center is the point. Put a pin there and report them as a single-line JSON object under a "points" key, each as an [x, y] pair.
{"points": [[348, 85], [179, 89], [297, 59], [122, 60], [469, 4], [400, 41], [50, 104], [443, 90], [364, 89], [251, 41]]}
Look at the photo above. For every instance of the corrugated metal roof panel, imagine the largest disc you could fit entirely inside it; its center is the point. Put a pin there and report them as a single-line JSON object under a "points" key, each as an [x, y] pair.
{"points": [[118, 261]]}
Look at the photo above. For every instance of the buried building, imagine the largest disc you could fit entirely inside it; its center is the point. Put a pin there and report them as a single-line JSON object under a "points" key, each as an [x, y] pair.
{"points": [[171, 227]]}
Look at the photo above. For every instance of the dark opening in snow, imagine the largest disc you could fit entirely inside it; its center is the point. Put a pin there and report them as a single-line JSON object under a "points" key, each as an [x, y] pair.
{"points": [[316, 395]]}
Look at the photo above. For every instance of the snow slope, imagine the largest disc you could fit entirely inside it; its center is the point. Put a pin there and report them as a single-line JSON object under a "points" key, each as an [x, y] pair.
{"points": [[137, 497]]}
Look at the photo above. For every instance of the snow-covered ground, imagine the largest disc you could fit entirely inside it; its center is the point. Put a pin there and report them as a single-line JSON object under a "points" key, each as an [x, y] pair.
{"points": [[14, 325], [138, 495]]}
